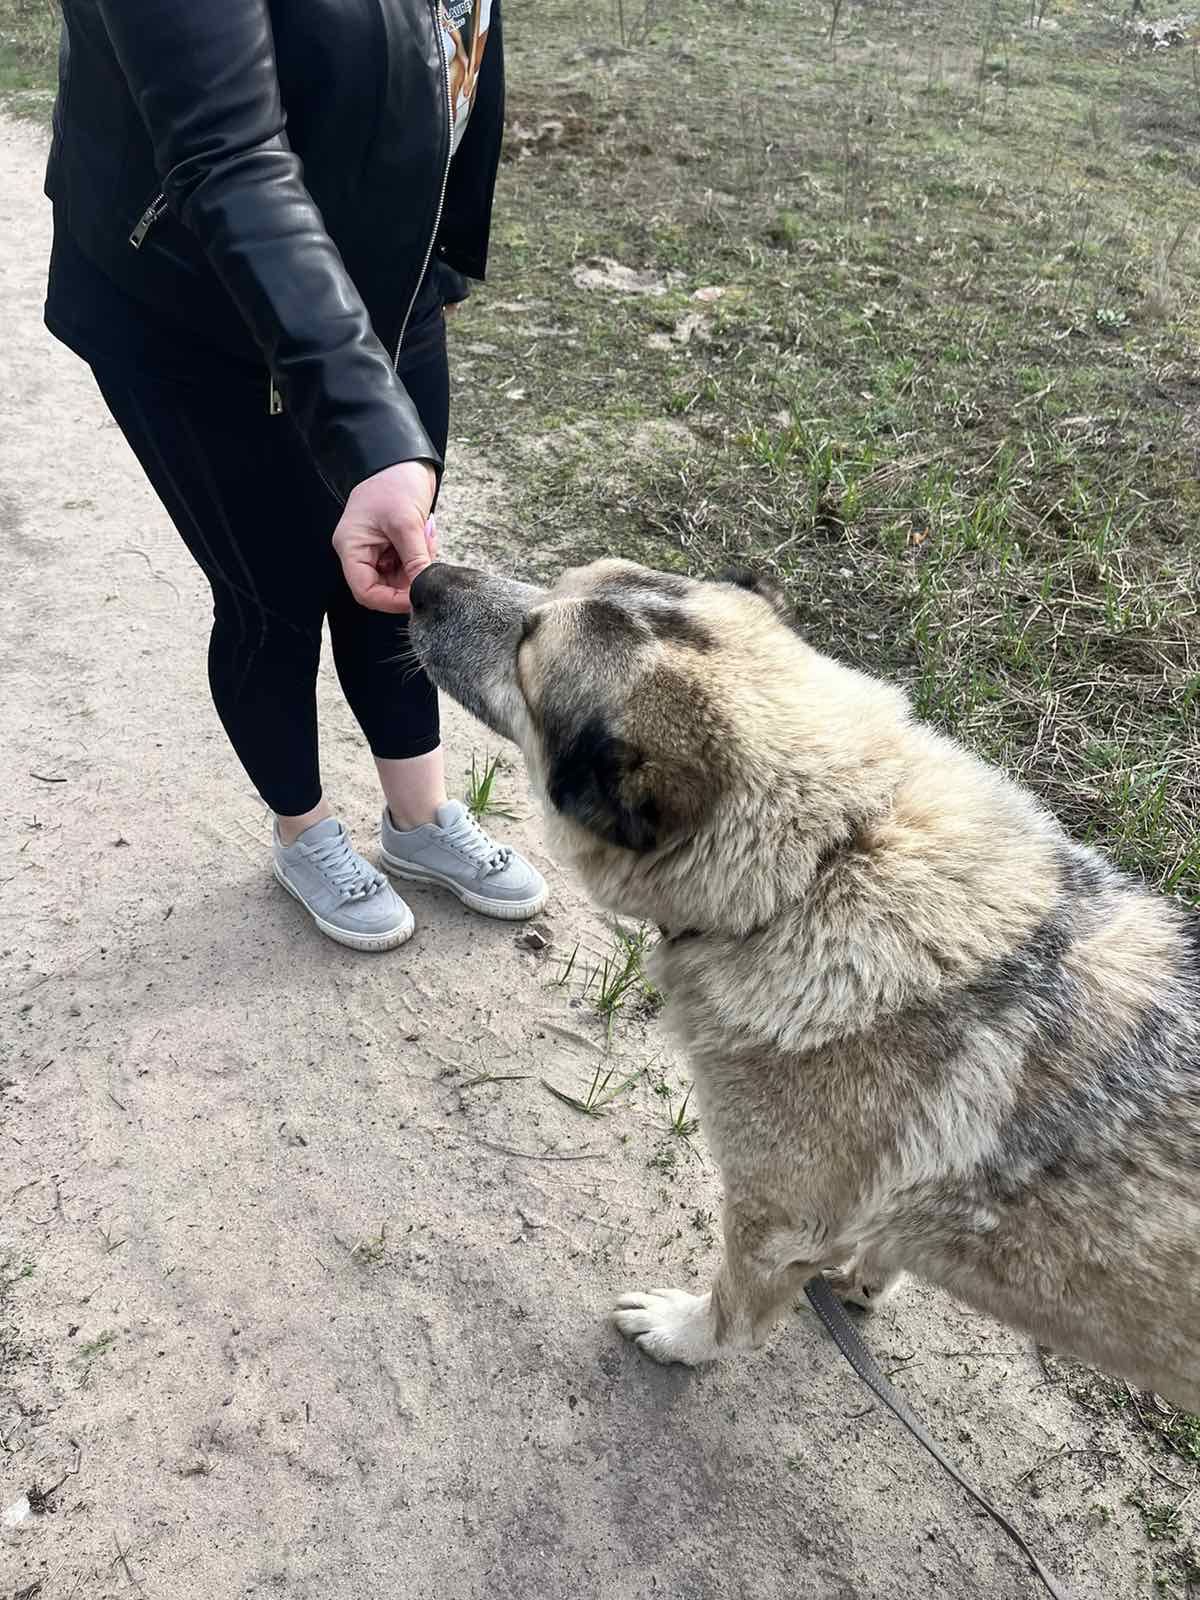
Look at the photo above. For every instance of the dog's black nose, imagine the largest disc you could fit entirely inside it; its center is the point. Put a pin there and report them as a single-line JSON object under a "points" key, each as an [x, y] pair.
{"points": [[430, 587], [427, 586]]}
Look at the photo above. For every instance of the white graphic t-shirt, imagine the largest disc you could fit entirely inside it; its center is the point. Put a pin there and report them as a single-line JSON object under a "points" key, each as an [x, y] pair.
{"points": [[464, 34]]}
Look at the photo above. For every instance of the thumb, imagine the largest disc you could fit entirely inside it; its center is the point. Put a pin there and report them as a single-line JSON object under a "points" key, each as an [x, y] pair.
{"points": [[416, 554], [414, 561], [405, 532]]}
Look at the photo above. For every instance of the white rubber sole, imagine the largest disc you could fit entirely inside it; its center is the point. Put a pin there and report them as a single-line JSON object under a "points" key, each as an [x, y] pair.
{"points": [[353, 941], [502, 910]]}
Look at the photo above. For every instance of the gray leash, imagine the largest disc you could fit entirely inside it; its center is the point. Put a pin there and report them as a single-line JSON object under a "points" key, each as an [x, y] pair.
{"points": [[846, 1336]]}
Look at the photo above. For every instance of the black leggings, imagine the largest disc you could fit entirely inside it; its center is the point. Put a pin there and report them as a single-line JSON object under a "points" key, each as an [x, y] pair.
{"points": [[242, 490]]}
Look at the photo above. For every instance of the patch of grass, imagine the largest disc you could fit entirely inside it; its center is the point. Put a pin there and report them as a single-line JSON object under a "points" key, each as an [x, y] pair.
{"points": [[705, 1224], [945, 392], [601, 1092], [619, 975], [481, 786], [1162, 1428], [681, 1125], [1159, 1521], [13, 1272], [1176, 1570], [568, 968], [617, 979], [787, 230], [98, 1346], [664, 1160], [29, 32], [108, 1243]]}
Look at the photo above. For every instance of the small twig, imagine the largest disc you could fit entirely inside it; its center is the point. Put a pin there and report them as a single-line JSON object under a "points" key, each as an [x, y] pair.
{"points": [[537, 1155], [1041, 1360], [1045, 1461], [901, 1365], [1134, 1402], [41, 778], [1174, 1483], [44, 1495], [123, 1557], [132, 550], [44, 1222]]}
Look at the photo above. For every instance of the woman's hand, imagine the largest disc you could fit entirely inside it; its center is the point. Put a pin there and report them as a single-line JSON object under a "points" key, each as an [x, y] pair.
{"points": [[385, 537]]}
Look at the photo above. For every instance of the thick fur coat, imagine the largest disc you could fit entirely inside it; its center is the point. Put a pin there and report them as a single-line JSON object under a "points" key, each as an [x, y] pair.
{"points": [[930, 1033]]}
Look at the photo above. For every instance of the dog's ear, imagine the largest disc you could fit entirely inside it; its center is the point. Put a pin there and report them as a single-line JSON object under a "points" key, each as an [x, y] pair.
{"points": [[757, 583], [593, 780]]}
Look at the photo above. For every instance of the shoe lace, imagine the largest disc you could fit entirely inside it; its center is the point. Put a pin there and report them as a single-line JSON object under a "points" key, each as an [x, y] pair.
{"points": [[345, 869], [466, 836]]}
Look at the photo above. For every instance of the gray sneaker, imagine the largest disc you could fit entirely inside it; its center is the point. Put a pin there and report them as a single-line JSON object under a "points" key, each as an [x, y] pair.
{"points": [[343, 894], [454, 851]]}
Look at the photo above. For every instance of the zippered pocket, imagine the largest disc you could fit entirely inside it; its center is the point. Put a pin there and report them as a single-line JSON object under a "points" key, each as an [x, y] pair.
{"points": [[147, 220]]}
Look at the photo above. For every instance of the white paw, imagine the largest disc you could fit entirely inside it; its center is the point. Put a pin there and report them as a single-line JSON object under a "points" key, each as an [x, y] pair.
{"points": [[668, 1324]]}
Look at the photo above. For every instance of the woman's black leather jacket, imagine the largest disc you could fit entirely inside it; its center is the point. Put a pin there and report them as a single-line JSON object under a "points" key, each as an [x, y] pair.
{"points": [[276, 174]]}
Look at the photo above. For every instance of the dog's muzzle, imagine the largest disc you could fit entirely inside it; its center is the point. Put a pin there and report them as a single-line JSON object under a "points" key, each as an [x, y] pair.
{"points": [[465, 629]]}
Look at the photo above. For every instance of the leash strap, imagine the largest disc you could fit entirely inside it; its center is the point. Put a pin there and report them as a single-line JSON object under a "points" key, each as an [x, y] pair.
{"points": [[846, 1336]]}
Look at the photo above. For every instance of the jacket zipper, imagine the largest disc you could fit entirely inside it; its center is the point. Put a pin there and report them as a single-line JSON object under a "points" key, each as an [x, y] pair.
{"points": [[274, 398], [138, 238], [441, 205], [147, 220], [159, 204]]}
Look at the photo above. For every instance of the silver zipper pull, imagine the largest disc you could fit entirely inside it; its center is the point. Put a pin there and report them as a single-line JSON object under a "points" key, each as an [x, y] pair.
{"points": [[147, 220], [274, 400]]}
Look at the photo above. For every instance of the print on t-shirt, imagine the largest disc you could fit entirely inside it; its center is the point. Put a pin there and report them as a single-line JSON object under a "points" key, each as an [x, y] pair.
{"points": [[465, 29]]}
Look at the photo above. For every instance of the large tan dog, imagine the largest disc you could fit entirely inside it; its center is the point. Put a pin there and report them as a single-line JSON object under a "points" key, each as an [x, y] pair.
{"points": [[929, 1032]]}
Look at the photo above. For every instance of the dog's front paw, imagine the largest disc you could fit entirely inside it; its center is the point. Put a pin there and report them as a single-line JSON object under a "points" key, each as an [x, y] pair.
{"points": [[668, 1324]]}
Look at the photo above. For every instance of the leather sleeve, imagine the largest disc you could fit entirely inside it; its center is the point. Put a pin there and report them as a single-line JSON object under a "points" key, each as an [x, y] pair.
{"points": [[202, 73]]}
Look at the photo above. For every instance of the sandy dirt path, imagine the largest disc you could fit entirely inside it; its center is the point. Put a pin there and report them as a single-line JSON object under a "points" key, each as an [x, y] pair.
{"points": [[320, 1313]]}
